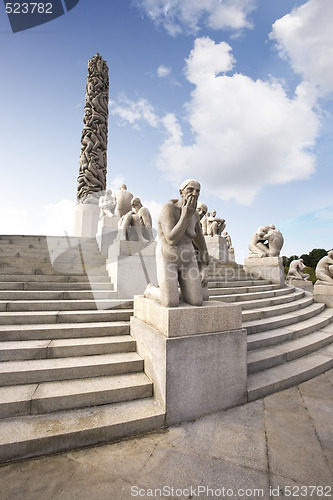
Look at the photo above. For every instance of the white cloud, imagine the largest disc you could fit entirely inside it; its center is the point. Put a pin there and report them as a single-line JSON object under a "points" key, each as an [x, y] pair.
{"points": [[52, 219], [163, 71], [305, 38], [177, 16], [247, 134], [134, 112]]}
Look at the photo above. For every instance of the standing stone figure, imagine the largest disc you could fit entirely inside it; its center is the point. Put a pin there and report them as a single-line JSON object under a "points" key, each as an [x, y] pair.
{"points": [[324, 270], [93, 157], [140, 220], [296, 269], [215, 225], [107, 204], [179, 230], [123, 201]]}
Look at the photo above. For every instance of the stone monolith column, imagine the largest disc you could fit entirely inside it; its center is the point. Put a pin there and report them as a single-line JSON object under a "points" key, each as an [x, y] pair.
{"points": [[93, 156]]}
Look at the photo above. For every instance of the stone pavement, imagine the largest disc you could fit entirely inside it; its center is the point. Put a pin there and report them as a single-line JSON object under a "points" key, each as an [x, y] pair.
{"points": [[270, 448]]}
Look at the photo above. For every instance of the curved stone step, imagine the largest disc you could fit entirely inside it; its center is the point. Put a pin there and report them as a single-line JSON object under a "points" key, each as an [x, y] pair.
{"points": [[36, 435], [267, 357], [282, 320], [96, 285], [242, 289], [254, 296], [46, 397], [289, 374], [49, 370], [63, 331], [277, 310], [296, 330], [58, 278], [212, 283], [63, 348], [47, 317]]}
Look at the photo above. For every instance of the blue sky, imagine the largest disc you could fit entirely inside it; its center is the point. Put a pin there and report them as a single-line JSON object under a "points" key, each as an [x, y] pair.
{"points": [[236, 94]]}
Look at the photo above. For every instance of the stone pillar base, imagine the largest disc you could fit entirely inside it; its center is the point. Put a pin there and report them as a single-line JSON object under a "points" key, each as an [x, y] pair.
{"points": [[196, 356], [323, 293], [217, 248], [86, 220], [304, 284], [107, 231], [267, 268], [131, 265]]}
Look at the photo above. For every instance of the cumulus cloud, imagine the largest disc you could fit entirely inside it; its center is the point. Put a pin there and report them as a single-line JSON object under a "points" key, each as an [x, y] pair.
{"points": [[134, 112], [163, 71], [177, 16], [247, 134], [305, 38]]}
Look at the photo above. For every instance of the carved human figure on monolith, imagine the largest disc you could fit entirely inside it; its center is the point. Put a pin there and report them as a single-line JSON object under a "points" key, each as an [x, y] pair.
{"points": [[179, 230], [123, 200], [107, 204], [137, 224], [296, 269], [215, 225], [324, 270], [93, 157]]}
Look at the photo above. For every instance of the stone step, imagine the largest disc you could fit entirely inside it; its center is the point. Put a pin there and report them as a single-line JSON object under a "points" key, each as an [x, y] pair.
{"points": [[282, 320], [47, 317], [277, 310], [47, 270], [267, 357], [253, 296], [36, 435], [53, 286], [216, 283], [276, 336], [63, 305], [63, 331], [34, 399], [242, 289], [34, 295], [63, 348], [40, 278], [276, 301], [49, 370], [289, 374]]}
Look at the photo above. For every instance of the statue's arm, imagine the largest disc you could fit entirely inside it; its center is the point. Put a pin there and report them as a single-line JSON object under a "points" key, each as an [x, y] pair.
{"points": [[172, 229]]}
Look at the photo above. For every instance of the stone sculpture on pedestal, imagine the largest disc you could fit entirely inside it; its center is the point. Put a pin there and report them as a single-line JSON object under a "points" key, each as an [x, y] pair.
{"points": [[296, 269], [138, 219], [267, 241], [215, 225], [123, 200], [107, 204], [179, 230], [323, 288], [324, 270]]}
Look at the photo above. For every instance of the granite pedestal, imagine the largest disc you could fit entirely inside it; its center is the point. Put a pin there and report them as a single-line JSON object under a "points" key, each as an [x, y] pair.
{"points": [[107, 231], [304, 284], [131, 265], [217, 248], [267, 268], [323, 293], [86, 220], [196, 356]]}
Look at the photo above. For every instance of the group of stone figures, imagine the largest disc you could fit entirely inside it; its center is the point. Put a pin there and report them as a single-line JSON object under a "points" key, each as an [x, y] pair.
{"points": [[324, 270], [212, 225], [135, 221]]}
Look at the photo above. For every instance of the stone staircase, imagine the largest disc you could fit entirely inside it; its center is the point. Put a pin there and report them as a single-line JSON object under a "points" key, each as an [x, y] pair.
{"points": [[290, 337], [69, 371], [70, 375]]}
